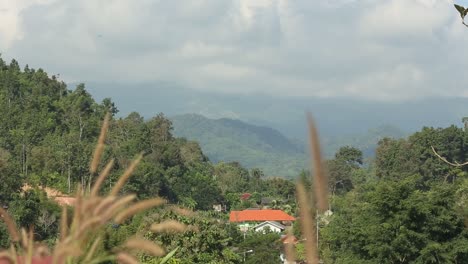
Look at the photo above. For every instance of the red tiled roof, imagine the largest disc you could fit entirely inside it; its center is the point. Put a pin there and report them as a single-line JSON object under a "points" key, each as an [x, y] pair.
{"points": [[245, 196], [259, 215]]}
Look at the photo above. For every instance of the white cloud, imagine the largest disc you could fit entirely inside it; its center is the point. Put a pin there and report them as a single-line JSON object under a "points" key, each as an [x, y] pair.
{"points": [[375, 49], [406, 18], [402, 82], [11, 28]]}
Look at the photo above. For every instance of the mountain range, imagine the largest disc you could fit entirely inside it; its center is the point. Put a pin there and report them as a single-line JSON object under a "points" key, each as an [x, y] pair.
{"points": [[335, 116], [270, 132], [234, 140], [262, 147]]}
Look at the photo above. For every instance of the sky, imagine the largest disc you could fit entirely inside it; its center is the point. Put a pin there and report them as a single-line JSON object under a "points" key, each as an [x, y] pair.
{"points": [[379, 50]]}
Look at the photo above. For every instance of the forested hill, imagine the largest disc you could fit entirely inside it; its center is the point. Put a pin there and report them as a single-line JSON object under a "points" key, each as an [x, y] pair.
{"points": [[234, 140], [410, 206], [266, 148], [47, 136], [48, 133]]}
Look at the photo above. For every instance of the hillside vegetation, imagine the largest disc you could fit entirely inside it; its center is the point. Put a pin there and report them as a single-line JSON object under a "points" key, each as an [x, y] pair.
{"points": [[408, 206], [253, 146], [48, 133], [266, 148]]}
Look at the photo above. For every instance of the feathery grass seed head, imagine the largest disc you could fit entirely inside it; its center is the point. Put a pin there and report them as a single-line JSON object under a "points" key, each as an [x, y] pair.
{"points": [[144, 245]]}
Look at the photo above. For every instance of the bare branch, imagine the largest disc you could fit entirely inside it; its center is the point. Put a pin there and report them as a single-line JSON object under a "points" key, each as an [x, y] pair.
{"points": [[455, 164]]}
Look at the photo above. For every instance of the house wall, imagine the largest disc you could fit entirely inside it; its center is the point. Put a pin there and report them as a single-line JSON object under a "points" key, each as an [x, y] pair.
{"points": [[265, 227]]}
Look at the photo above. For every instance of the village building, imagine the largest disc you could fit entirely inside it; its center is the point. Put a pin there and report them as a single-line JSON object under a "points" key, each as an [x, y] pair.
{"points": [[261, 220]]}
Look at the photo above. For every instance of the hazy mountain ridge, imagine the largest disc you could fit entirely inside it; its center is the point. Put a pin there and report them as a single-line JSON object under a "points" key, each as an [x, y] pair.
{"points": [[266, 148], [336, 117], [234, 140]]}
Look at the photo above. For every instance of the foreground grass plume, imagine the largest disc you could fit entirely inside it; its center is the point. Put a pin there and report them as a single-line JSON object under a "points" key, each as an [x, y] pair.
{"points": [[314, 200], [79, 240]]}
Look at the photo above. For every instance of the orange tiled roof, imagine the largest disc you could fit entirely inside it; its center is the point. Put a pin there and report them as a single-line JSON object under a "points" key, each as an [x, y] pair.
{"points": [[259, 215]]}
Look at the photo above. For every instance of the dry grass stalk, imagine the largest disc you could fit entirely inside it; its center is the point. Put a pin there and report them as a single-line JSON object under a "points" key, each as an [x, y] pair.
{"points": [[78, 208], [103, 205], [29, 248], [123, 179], [319, 177], [13, 253], [64, 223], [307, 224], [289, 247], [92, 250], [145, 245], [11, 226], [124, 258], [138, 207], [90, 214], [112, 210], [65, 251], [24, 238], [89, 204], [100, 145], [42, 251], [88, 226], [102, 176], [182, 211], [169, 226]]}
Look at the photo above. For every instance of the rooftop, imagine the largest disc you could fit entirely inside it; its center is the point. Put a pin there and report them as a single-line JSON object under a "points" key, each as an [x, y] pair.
{"points": [[259, 215]]}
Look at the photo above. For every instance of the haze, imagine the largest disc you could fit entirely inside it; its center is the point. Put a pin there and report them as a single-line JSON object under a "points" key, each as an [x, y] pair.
{"points": [[341, 56]]}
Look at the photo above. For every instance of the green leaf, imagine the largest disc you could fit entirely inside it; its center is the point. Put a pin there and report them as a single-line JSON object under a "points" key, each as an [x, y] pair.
{"points": [[168, 256]]}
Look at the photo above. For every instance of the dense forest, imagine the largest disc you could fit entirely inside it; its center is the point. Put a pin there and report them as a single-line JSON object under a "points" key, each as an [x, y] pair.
{"points": [[253, 146], [47, 136], [406, 206], [262, 147]]}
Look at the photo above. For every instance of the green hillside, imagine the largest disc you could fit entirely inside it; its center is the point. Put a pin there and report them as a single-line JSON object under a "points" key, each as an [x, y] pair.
{"points": [[233, 140], [265, 148]]}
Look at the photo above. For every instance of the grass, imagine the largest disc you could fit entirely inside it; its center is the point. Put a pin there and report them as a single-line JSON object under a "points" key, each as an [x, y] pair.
{"points": [[79, 240]]}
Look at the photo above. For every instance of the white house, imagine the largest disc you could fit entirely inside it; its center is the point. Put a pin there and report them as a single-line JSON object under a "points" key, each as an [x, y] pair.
{"points": [[271, 225]]}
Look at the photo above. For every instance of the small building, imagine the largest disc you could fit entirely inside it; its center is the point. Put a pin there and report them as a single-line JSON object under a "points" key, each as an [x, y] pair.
{"points": [[259, 220], [271, 226], [260, 216], [218, 207]]}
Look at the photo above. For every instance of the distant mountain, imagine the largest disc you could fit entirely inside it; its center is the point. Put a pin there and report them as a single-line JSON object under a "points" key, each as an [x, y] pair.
{"points": [[262, 147], [336, 117], [341, 121], [253, 146]]}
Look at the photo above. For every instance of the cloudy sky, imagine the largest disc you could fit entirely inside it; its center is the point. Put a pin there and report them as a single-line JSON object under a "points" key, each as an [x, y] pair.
{"points": [[388, 50]]}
